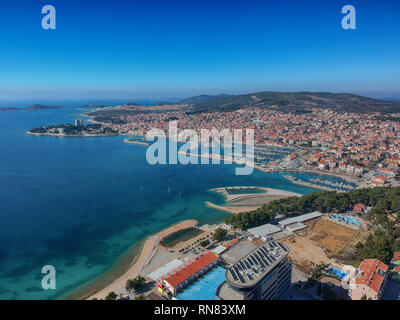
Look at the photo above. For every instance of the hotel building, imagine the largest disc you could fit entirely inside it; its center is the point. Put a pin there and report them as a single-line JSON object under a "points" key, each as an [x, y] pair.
{"points": [[186, 273], [263, 274]]}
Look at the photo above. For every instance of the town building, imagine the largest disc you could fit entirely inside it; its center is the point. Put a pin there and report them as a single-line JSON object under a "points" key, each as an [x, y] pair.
{"points": [[79, 122], [387, 172], [359, 208], [369, 281]]}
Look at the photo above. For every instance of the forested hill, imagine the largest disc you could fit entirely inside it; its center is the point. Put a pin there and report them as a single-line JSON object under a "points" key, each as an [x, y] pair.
{"points": [[294, 102], [203, 98]]}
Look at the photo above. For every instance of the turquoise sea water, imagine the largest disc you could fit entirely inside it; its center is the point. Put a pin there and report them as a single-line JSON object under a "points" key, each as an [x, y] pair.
{"points": [[80, 203]]}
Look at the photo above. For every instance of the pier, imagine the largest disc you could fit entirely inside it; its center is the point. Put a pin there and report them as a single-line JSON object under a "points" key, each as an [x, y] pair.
{"points": [[136, 141]]}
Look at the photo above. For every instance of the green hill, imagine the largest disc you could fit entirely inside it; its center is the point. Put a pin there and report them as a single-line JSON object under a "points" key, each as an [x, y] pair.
{"points": [[297, 102], [203, 98]]}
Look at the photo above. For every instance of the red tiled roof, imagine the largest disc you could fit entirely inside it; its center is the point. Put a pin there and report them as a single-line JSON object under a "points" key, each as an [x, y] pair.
{"points": [[191, 269], [359, 206], [373, 273], [396, 256], [232, 242], [385, 170]]}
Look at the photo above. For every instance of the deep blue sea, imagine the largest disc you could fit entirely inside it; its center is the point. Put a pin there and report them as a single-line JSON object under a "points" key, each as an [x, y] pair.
{"points": [[80, 203]]}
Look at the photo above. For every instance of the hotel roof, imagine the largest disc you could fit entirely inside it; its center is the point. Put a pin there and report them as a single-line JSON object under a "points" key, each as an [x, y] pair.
{"points": [[254, 266], [191, 269], [219, 249], [301, 218], [238, 251], [296, 226], [161, 272], [264, 230]]}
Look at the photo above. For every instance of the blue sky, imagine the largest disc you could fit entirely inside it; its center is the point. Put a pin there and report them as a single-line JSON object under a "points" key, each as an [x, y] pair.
{"points": [[157, 49]]}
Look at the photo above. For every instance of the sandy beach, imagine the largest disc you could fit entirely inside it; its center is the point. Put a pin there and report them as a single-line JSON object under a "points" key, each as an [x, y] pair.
{"points": [[231, 209], [146, 253]]}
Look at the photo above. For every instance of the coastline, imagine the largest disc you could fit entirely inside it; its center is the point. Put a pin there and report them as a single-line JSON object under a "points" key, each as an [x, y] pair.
{"points": [[314, 171], [219, 158], [138, 257], [118, 268], [129, 266], [70, 135], [143, 252], [267, 170]]}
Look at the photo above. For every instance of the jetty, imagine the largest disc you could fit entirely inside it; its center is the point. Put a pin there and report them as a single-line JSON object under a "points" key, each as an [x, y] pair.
{"points": [[138, 141]]}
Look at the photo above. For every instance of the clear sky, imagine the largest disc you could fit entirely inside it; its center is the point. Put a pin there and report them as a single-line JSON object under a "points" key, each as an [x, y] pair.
{"points": [[168, 48]]}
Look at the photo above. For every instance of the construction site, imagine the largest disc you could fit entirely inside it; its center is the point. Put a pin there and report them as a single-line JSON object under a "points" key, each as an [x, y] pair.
{"points": [[321, 242]]}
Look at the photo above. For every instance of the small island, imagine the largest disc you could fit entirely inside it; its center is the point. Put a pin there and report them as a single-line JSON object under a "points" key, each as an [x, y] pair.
{"points": [[34, 107]]}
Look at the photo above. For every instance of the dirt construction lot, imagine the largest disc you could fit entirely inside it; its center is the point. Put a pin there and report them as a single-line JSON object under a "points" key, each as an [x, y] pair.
{"points": [[304, 254], [321, 240], [331, 236]]}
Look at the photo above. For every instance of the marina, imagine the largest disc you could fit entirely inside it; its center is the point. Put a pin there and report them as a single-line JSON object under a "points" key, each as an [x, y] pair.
{"points": [[318, 183]]}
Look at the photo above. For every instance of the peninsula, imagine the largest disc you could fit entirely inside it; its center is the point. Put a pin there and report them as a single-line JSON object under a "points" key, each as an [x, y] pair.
{"points": [[69, 130]]}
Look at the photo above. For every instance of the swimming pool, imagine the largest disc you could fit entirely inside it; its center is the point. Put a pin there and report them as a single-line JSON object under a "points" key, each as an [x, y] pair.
{"points": [[347, 219], [337, 273], [351, 220], [205, 287]]}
